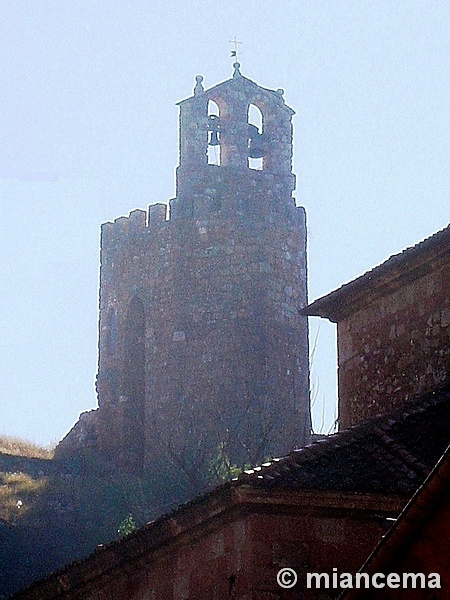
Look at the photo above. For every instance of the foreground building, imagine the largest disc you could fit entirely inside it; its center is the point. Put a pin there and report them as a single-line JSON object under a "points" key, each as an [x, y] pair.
{"points": [[322, 508], [416, 547], [393, 331]]}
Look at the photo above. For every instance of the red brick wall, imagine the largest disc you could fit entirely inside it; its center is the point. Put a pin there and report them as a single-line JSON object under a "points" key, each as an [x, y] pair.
{"points": [[428, 553], [396, 347], [424, 550], [239, 560]]}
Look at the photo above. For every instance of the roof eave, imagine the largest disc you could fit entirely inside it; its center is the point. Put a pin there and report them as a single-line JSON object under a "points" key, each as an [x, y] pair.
{"points": [[392, 274]]}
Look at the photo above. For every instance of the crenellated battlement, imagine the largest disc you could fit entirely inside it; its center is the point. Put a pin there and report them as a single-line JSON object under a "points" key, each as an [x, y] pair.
{"points": [[137, 224]]}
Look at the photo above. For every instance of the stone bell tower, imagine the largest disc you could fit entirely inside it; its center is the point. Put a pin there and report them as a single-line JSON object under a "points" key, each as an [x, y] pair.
{"points": [[201, 346]]}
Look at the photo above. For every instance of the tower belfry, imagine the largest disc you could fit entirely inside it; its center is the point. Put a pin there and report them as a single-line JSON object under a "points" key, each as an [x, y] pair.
{"points": [[230, 128], [201, 346]]}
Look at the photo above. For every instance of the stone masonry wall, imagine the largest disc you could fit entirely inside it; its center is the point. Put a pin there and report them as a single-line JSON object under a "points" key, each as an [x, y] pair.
{"points": [[225, 350], [396, 347], [201, 345]]}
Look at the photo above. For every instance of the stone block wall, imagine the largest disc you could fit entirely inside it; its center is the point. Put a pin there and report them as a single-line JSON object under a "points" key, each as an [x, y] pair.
{"points": [[225, 351], [201, 345], [396, 346]]}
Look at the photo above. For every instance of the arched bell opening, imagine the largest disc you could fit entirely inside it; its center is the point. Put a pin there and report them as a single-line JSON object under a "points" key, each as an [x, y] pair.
{"points": [[255, 143], [213, 150]]}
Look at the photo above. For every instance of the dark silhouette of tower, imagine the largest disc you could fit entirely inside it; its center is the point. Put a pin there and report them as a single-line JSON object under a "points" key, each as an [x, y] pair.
{"points": [[201, 346]]}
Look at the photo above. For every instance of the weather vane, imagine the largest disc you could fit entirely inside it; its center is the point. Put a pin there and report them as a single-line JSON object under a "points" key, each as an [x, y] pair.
{"points": [[235, 53]]}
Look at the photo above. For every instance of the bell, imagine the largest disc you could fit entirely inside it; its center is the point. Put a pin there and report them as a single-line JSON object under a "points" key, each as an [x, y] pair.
{"points": [[255, 150], [214, 128], [214, 139], [255, 142]]}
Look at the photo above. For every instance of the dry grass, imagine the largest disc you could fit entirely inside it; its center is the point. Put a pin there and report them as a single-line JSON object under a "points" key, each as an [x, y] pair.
{"points": [[18, 447], [17, 493]]}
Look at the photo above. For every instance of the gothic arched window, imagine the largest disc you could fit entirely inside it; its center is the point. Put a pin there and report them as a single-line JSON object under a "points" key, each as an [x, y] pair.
{"points": [[134, 409]]}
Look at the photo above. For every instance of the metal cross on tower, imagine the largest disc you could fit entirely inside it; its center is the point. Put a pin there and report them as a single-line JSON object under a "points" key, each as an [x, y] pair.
{"points": [[235, 53]]}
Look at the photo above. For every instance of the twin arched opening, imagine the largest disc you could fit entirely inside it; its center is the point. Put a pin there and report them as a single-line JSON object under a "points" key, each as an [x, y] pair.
{"points": [[255, 136]]}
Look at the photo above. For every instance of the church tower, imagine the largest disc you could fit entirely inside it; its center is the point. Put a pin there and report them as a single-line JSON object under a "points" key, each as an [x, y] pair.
{"points": [[201, 346]]}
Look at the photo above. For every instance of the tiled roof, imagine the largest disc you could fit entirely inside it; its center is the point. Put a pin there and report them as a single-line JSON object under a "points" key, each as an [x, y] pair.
{"points": [[337, 303], [389, 455], [384, 456]]}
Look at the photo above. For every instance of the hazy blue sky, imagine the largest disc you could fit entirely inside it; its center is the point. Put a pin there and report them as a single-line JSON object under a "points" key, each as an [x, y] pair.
{"points": [[89, 128]]}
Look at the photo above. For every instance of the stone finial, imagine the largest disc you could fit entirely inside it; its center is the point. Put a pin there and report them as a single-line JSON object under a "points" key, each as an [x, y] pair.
{"points": [[280, 93], [237, 73], [198, 86]]}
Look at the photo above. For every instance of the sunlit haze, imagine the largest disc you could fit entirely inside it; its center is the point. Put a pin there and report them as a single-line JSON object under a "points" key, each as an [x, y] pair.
{"points": [[89, 131]]}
